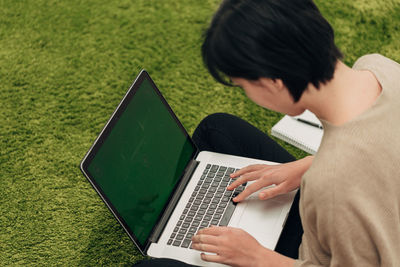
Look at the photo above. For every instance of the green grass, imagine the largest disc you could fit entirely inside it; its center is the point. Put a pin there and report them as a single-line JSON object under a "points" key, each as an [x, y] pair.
{"points": [[65, 65]]}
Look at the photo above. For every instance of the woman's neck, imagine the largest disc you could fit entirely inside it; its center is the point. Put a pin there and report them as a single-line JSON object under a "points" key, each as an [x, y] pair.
{"points": [[347, 95]]}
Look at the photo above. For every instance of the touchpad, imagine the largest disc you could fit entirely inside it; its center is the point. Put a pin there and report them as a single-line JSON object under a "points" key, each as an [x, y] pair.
{"points": [[263, 219]]}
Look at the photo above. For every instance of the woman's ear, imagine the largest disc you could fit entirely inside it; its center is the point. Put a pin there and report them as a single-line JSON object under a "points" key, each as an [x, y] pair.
{"points": [[279, 84], [273, 85]]}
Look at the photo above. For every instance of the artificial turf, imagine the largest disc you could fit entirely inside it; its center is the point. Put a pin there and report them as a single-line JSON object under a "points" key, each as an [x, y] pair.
{"points": [[65, 65]]}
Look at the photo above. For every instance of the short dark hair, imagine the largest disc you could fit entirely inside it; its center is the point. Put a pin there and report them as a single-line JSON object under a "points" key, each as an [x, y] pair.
{"points": [[277, 39]]}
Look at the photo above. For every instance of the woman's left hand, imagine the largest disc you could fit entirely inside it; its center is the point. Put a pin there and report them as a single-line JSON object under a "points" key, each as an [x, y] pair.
{"points": [[232, 246]]}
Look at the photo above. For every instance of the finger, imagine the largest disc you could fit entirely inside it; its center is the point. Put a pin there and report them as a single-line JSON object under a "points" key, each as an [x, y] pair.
{"points": [[243, 179], [247, 169], [272, 192], [254, 187], [205, 238], [213, 230], [212, 258], [205, 247]]}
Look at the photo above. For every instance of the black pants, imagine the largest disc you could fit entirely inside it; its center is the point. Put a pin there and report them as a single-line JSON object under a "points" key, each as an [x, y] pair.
{"points": [[228, 134]]}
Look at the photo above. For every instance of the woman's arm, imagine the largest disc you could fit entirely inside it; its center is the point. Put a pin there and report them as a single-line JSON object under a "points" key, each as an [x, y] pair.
{"points": [[286, 177]]}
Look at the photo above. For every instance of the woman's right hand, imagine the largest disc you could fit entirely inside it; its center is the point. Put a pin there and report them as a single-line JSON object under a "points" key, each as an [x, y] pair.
{"points": [[286, 177]]}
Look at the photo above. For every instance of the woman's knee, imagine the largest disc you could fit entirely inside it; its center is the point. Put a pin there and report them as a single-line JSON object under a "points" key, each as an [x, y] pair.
{"points": [[203, 135], [218, 120]]}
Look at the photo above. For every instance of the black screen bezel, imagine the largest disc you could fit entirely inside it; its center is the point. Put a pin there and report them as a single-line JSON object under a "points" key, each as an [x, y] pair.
{"points": [[143, 75]]}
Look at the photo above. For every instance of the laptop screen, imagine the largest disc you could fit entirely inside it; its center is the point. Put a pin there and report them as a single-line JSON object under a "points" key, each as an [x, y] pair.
{"points": [[139, 158]]}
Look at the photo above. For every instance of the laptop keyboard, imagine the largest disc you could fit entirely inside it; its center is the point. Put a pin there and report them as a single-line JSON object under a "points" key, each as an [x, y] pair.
{"points": [[210, 204]]}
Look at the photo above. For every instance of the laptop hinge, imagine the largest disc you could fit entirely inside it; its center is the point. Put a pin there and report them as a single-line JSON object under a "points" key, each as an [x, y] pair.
{"points": [[191, 167]]}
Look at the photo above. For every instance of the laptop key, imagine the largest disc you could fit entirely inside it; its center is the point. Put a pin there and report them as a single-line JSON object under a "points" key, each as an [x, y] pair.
{"points": [[228, 214], [214, 184], [188, 219], [205, 185], [200, 196], [226, 179], [208, 180], [214, 168], [217, 216], [228, 194], [219, 211], [230, 170], [204, 224], [186, 243], [240, 188], [220, 174], [210, 212], [169, 242], [192, 230], [176, 243], [222, 205], [214, 222], [211, 175], [215, 201], [207, 218], [209, 195], [207, 201], [225, 199], [191, 213], [203, 206], [189, 236]]}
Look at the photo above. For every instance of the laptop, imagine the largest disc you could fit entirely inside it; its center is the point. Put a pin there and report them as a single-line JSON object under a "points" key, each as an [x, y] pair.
{"points": [[162, 189]]}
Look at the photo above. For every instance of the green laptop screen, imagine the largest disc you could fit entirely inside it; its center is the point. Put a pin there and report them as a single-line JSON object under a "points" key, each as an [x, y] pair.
{"points": [[141, 160]]}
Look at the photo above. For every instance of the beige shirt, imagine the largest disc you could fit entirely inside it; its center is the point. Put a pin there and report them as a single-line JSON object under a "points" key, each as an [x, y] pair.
{"points": [[350, 196]]}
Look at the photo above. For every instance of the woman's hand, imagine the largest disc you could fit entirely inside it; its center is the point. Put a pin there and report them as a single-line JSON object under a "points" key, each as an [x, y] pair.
{"points": [[235, 247], [286, 178]]}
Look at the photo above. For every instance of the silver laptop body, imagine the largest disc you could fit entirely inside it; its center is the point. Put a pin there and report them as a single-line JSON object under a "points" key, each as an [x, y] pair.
{"points": [[149, 173]]}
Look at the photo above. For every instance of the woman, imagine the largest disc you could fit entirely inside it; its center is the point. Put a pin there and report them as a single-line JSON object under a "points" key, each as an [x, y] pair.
{"points": [[282, 54]]}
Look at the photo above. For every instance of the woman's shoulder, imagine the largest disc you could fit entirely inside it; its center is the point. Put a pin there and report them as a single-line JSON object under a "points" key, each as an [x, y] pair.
{"points": [[375, 60]]}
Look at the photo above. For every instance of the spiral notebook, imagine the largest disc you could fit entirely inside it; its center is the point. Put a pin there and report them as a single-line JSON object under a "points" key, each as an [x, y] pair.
{"points": [[303, 131]]}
